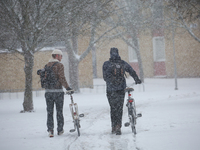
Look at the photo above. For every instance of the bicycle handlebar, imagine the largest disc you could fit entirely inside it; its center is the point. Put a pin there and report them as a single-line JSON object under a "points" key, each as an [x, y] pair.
{"points": [[70, 92]]}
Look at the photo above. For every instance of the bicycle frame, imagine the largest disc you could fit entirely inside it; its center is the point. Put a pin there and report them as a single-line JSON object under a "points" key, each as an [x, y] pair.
{"points": [[131, 107], [73, 109]]}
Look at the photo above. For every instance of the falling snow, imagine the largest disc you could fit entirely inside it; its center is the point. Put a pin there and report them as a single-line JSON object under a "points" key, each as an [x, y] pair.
{"points": [[170, 120]]}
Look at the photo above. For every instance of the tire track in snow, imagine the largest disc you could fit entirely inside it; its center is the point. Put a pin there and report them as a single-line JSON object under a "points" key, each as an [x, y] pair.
{"points": [[68, 147], [92, 119], [96, 133]]}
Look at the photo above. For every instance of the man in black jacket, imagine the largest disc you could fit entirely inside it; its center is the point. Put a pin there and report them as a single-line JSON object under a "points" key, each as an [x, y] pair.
{"points": [[115, 87]]}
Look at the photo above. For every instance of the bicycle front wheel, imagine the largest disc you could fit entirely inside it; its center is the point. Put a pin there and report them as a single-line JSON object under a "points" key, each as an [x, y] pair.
{"points": [[132, 121], [77, 126]]}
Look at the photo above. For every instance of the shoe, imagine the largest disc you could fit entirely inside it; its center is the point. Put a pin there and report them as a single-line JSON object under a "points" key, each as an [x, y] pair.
{"points": [[60, 132], [118, 130], [113, 130], [51, 133]]}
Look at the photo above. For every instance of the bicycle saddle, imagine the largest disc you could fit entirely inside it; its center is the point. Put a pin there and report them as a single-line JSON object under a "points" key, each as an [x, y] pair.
{"points": [[129, 89]]}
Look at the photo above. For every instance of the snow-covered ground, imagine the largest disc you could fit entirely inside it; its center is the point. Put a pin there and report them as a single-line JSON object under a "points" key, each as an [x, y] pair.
{"points": [[170, 121]]}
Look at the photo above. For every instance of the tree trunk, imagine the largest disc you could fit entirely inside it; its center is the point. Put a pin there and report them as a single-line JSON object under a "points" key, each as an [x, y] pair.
{"points": [[140, 65], [137, 50], [28, 69], [94, 62], [74, 74], [72, 50], [139, 60]]}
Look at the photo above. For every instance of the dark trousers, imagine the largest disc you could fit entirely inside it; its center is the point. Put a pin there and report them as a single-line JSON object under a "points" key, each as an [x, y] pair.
{"points": [[116, 101], [58, 99]]}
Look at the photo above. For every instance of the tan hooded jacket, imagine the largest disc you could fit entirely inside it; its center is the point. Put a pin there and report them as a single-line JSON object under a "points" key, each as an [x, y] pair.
{"points": [[59, 73]]}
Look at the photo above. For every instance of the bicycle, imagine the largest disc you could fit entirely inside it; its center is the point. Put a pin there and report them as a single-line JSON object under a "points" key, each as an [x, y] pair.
{"points": [[131, 111], [75, 114]]}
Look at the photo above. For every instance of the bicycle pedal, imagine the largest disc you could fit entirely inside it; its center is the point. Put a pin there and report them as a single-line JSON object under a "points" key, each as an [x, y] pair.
{"points": [[81, 115], [72, 130], [126, 124], [139, 115]]}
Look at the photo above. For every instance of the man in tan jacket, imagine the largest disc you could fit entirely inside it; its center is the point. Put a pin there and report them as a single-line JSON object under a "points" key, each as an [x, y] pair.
{"points": [[55, 94]]}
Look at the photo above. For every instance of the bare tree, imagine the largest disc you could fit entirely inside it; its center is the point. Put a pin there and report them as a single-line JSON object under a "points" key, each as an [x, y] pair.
{"points": [[185, 14], [86, 23], [27, 26], [131, 19]]}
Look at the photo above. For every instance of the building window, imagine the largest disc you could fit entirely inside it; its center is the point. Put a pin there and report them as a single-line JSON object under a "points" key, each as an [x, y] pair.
{"points": [[131, 52], [159, 49]]}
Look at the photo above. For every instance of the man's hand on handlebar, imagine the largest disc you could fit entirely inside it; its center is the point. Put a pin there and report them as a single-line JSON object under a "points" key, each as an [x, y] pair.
{"points": [[69, 91], [138, 81]]}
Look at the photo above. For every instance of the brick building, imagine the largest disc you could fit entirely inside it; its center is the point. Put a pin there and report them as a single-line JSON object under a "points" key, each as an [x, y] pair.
{"points": [[156, 53]]}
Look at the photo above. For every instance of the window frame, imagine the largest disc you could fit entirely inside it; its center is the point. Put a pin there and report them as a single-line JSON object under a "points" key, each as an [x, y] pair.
{"points": [[156, 49], [132, 56]]}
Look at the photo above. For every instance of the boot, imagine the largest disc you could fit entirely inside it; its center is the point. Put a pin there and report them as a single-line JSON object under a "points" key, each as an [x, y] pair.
{"points": [[118, 130], [60, 132], [113, 130], [50, 133]]}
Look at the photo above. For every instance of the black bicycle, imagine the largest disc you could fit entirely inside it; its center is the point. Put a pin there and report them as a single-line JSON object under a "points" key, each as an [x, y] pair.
{"points": [[131, 111]]}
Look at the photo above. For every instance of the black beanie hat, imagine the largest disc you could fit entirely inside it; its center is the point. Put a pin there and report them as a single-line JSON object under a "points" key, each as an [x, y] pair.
{"points": [[114, 51]]}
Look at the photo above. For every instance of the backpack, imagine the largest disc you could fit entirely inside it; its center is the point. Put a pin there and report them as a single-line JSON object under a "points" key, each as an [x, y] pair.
{"points": [[47, 77], [117, 73]]}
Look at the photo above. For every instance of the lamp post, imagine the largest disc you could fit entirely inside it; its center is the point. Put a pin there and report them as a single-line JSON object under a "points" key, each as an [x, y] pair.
{"points": [[175, 68]]}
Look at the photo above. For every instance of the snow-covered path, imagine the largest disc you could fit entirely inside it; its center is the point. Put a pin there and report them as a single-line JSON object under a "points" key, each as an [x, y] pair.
{"points": [[171, 120]]}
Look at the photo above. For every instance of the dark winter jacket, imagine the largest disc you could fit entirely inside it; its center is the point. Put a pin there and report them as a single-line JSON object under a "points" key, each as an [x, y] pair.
{"points": [[108, 71]]}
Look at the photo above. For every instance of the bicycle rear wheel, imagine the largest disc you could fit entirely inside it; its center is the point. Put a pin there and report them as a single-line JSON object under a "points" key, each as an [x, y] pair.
{"points": [[132, 121], [77, 126]]}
